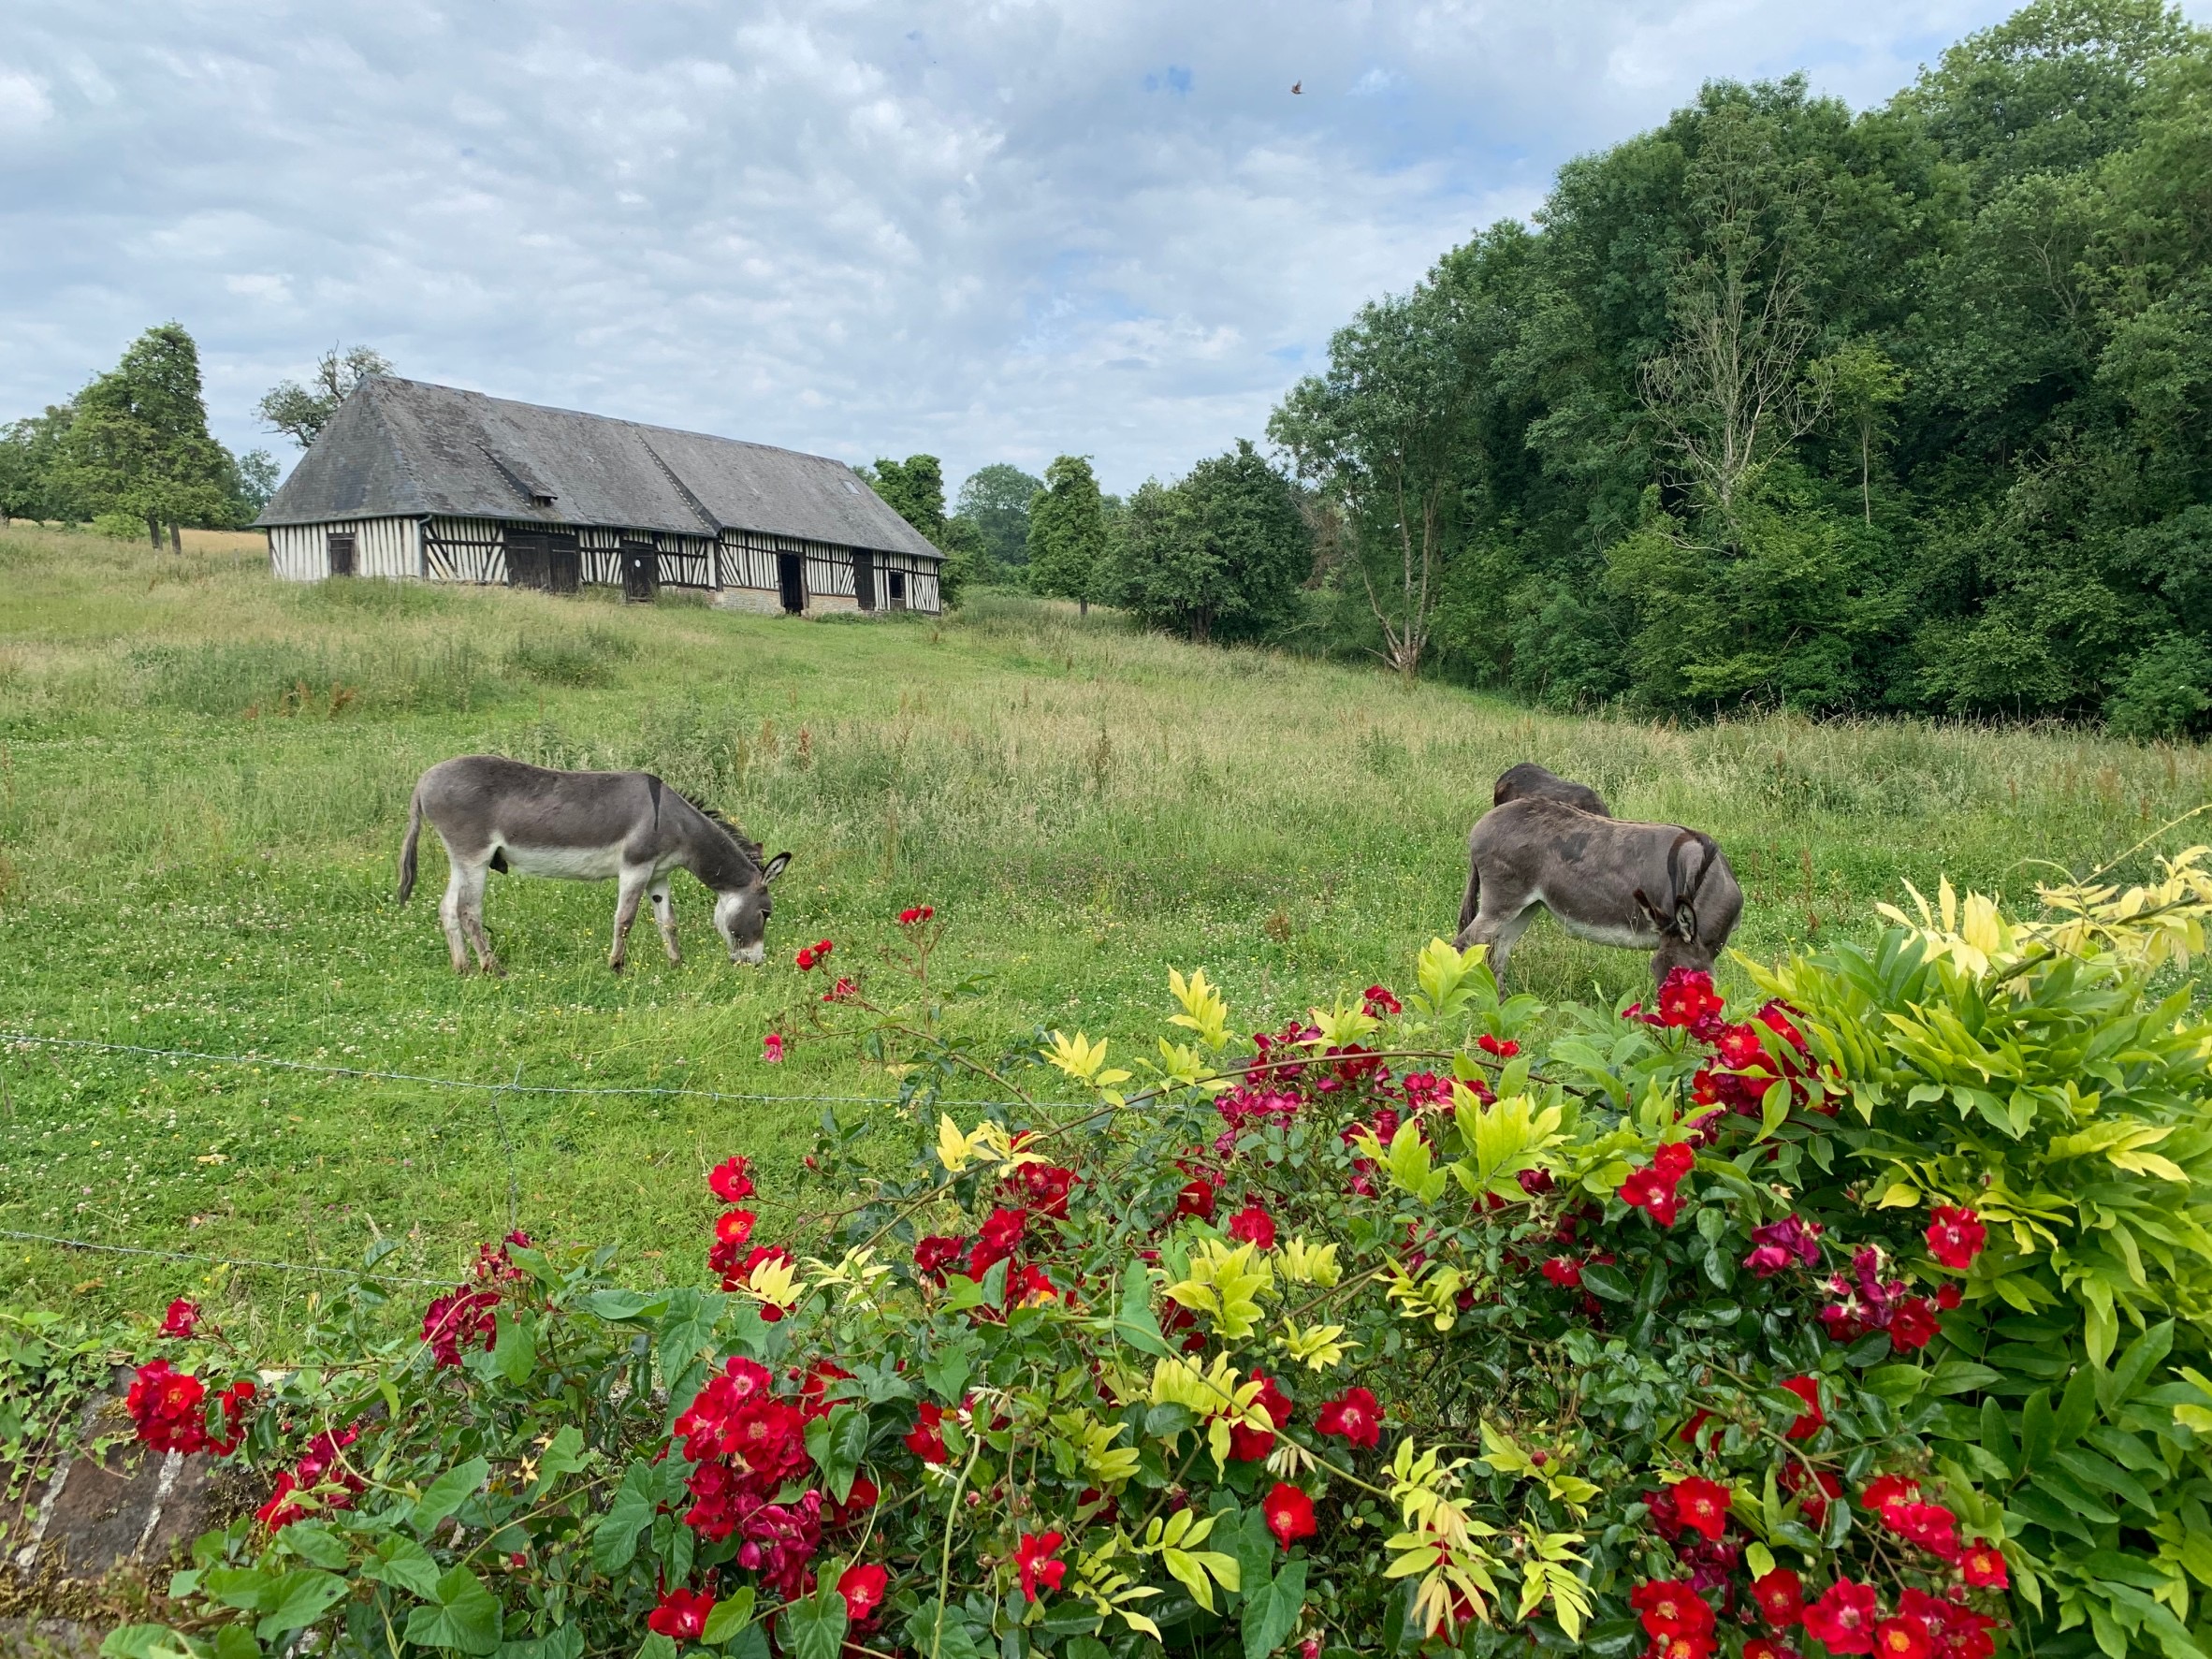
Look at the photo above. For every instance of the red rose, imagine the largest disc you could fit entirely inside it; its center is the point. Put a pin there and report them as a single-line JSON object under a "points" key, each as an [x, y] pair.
{"points": [[1195, 1199], [1842, 1621], [1671, 1607], [1956, 1236], [1811, 1420], [1702, 1506], [682, 1615], [1564, 1272], [1289, 1513], [1649, 1191], [772, 1048], [1379, 1003], [1781, 1595], [1353, 1415], [1901, 1638], [863, 1586], [1984, 1565], [926, 1439], [1253, 1224], [183, 1316], [1498, 1048], [1913, 1324], [1035, 1563], [1674, 1161], [731, 1181], [1813, 1504], [1760, 1648], [733, 1227]]}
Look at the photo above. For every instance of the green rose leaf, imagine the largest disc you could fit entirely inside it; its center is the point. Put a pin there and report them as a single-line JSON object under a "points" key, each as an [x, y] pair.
{"points": [[462, 1615]]}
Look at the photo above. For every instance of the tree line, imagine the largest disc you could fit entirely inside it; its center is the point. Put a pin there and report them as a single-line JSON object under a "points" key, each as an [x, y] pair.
{"points": [[1781, 405], [131, 453]]}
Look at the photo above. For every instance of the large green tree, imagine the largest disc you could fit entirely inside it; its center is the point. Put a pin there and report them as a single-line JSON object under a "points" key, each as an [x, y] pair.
{"points": [[913, 488], [996, 500], [1068, 534], [300, 412], [138, 444], [1219, 555]]}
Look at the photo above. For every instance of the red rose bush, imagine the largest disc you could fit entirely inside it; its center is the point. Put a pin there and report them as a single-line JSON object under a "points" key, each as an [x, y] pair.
{"points": [[1870, 1323]]}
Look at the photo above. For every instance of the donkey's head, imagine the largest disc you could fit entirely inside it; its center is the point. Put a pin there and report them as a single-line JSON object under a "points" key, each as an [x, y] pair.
{"points": [[741, 913], [1677, 951]]}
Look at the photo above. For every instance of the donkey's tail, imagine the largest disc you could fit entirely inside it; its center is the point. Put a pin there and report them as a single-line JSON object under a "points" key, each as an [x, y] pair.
{"points": [[407, 846], [1473, 901]]}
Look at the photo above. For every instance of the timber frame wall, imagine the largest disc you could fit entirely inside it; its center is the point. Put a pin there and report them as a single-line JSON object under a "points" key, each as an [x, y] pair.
{"points": [[445, 549]]}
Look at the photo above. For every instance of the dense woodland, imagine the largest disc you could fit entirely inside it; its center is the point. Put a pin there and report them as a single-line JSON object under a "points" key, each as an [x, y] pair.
{"points": [[1780, 405], [1776, 405]]}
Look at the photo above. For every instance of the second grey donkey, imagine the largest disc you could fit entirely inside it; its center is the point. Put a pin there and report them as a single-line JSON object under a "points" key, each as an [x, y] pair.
{"points": [[1655, 887], [628, 827], [1529, 780]]}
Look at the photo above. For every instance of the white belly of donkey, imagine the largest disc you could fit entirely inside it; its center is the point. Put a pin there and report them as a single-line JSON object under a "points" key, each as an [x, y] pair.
{"points": [[1638, 935], [566, 863]]}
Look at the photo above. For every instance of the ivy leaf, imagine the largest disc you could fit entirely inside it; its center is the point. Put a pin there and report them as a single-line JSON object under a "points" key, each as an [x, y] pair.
{"points": [[688, 1327], [564, 1455], [399, 1560], [731, 1614], [1272, 1610], [462, 1615], [1134, 1322], [814, 1627], [836, 1443], [296, 1600], [620, 1306], [448, 1493], [613, 1543], [515, 1350]]}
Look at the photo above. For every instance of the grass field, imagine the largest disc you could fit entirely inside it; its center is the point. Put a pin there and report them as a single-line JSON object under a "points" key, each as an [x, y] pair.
{"points": [[204, 779]]}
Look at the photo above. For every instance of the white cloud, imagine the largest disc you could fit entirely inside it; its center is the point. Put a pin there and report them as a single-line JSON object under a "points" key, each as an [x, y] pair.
{"points": [[994, 232]]}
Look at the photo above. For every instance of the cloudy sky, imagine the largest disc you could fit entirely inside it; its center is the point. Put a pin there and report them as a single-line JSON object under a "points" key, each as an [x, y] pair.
{"points": [[990, 230]]}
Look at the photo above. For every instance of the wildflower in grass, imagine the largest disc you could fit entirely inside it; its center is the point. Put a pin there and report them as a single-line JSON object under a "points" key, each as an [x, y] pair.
{"points": [[1289, 1513], [682, 1615], [1956, 1236], [1354, 1414], [182, 1319], [772, 1048], [863, 1586], [732, 1181], [1843, 1620]]}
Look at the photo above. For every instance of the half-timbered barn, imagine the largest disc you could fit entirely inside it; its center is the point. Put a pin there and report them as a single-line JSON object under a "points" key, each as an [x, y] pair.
{"points": [[412, 480]]}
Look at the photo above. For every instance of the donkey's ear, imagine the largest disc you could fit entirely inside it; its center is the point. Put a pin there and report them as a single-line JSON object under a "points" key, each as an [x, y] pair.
{"points": [[773, 867]]}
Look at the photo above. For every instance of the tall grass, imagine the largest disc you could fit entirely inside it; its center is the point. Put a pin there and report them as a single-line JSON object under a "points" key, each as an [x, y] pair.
{"points": [[195, 866]]}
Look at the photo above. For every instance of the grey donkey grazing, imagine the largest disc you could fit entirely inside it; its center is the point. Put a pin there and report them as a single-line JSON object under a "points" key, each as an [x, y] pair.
{"points": [[1530, 781], [496, 814], [1652, 887]]}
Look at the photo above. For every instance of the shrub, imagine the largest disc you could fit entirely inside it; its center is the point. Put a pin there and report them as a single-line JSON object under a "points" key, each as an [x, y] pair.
{"points": [[1877, 1319], [2165, 692], [119, 527]]}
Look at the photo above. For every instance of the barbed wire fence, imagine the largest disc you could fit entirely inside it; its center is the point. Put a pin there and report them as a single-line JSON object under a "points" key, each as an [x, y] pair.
{"points": [[491, 1091]]}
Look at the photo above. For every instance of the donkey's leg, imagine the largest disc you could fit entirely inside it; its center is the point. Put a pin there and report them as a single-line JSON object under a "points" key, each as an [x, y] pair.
{"points": [[472, 917], [1500, 928], [664, 913], [629, 887], [449, 912]]}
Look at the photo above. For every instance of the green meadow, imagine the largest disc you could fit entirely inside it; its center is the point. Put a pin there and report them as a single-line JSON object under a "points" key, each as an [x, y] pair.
{"points": [[204, 779]]}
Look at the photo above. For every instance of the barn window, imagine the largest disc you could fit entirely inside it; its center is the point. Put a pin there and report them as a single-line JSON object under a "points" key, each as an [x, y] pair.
{"points": [[342, 555], [897, 581]]}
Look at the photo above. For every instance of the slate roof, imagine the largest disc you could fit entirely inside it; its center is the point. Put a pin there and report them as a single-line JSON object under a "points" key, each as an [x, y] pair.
{"points": [[404, 447]]}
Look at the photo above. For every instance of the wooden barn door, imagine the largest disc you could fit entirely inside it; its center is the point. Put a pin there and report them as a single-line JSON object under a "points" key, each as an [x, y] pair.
{"points": [[898, 589], [564, 563], [863, 580], [641, 571], [342, 555], [790, 581], [526, 559]]}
